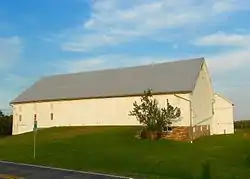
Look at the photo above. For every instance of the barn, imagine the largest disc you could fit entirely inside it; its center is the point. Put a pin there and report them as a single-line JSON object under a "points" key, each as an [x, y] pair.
{"points": [[105, 97], [223, 122]]}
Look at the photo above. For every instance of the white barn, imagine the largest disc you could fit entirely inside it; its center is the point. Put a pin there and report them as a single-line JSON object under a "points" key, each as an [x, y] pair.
{"points": [[105, 97], [223, 121]]}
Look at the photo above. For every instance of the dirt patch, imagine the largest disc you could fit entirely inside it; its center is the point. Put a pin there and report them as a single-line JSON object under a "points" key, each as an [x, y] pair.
{"points": [[247, 135]]}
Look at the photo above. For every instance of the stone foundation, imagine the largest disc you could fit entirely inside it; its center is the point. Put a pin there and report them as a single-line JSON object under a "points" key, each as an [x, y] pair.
{"points": [[179, 133], [183, 133], [199, 131]]}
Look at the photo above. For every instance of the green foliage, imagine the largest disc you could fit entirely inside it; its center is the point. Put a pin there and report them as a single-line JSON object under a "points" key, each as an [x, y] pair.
{"points": [[5, 124], [1, 114], [153, 117], [242, 124]]}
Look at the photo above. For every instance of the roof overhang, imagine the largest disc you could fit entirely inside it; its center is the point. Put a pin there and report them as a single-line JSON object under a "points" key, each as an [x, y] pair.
{"points": [[96, 97], [223, 97]]}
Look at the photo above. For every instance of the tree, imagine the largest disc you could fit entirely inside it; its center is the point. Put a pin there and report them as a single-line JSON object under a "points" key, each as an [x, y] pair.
{"points": [[1, 114], [5, 124], [154, 118]]}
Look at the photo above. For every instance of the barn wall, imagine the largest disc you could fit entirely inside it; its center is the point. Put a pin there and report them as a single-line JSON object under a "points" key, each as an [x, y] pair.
{"points": [[202, 99], [103, 111], [223, 116]]}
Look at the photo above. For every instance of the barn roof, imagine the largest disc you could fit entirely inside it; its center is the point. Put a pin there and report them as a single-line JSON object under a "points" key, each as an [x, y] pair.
{"points": [[225, 98], [177, 76]]}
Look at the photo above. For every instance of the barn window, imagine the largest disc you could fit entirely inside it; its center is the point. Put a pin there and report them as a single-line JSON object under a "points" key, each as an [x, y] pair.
{"points": [[213, 108], [20, 117], [35, 117], [15, 110], [51, 116], [168, 129]]}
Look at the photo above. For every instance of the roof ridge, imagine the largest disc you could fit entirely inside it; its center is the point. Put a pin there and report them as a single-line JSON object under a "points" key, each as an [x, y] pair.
{"points": [[127, 67]]}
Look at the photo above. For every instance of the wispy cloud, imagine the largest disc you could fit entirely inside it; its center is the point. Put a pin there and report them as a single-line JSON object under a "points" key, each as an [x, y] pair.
{"points": [[115, 22], [229, 59], [10, 50], [240, 97], [11, 84], [230, 5], [224, 39], [107, 62], [216, 63], [225, 61]]}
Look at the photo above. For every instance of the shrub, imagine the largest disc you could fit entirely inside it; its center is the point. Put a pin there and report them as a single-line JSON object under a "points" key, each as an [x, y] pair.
{"points": [[5, 124], [245, 124], [154, 118]]}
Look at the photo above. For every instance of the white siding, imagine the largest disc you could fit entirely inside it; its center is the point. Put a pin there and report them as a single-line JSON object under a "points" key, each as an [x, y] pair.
{"points": [[223, 116], [88, 112], [202, 99]]}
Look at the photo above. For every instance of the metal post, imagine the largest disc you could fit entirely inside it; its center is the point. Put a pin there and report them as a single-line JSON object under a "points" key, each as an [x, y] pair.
{"points": [[34, 143], [35, 130]]}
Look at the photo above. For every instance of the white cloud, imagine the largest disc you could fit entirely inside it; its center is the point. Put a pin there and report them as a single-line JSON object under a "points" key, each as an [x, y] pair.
{"points": [[12, 85], [224, 39], [10, 50], [114, 22], [84, 65], [230, 5], [218, 63], [106, 62], [226, 61], [88, 42], [4, 98], [239, 95]]}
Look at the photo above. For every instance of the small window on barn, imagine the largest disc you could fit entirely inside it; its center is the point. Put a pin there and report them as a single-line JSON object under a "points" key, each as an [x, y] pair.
{"points": [[35, 117], [20, 117], [15, 110], [168, 129], [51, 116], [213, 108]]}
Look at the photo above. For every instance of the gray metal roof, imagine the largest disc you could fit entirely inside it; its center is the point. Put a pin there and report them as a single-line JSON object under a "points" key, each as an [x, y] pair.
{"points": [[168, 77]]}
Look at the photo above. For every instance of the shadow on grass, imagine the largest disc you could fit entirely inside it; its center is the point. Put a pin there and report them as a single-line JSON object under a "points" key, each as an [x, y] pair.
{"points": [[206, 173], [247, 160]]}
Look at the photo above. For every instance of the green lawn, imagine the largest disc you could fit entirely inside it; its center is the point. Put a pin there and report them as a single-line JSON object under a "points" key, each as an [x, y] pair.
{"points": [[115, 150]]}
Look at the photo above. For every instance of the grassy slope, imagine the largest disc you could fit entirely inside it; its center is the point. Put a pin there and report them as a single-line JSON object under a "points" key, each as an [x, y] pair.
{"points": [[114, 150]]}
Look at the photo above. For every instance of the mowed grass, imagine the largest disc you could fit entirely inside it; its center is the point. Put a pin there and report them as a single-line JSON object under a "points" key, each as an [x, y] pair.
{"points": [[114, 150]]}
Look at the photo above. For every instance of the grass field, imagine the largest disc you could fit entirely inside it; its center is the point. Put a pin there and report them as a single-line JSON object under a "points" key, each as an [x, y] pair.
{"points": [[115, 150]]}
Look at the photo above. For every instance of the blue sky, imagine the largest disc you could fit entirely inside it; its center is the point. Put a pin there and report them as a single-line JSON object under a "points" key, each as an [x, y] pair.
{"points": [[40, 38]]}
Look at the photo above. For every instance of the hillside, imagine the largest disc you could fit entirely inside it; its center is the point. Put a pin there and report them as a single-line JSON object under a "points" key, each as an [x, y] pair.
{"points": [[115, 150]]}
